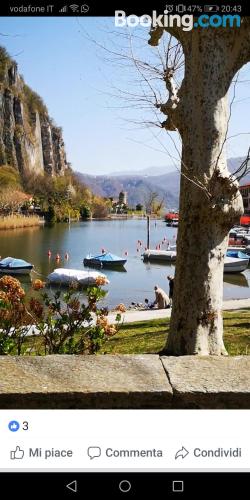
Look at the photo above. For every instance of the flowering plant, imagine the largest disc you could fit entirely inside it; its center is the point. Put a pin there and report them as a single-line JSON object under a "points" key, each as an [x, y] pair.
{"points": [[61, 322]]}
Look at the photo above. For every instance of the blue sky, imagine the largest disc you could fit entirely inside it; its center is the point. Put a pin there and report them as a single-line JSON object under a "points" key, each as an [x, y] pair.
{"points": [[75, 80]]}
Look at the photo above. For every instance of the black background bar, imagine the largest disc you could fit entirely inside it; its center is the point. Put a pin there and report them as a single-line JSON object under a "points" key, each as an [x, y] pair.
{"points": [[107, 485], [83, 8]]}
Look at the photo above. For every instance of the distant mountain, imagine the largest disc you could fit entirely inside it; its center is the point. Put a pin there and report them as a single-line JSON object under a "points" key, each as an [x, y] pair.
{"points": [[233, 164], [151, 171], [138, 186]]}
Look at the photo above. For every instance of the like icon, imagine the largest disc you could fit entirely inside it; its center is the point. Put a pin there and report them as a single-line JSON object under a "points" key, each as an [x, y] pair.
{"points": [[13, 426], [17, 454]]}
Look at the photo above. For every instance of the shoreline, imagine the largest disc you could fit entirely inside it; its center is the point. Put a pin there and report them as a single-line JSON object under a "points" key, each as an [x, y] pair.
{"points": [[11, 222], [135, 315]]}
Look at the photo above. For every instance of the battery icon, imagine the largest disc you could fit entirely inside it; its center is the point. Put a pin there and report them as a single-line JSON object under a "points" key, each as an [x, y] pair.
{"points": [[211, 8], [180, 8]]}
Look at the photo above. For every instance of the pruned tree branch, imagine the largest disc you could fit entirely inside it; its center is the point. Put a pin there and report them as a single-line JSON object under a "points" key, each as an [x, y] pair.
{"points": [[169, 108]]}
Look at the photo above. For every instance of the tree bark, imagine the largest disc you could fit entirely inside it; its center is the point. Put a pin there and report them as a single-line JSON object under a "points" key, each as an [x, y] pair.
{"points": [[211, 203]]}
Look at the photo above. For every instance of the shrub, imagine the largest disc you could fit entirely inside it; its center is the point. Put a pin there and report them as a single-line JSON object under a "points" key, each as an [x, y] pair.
{"points": [[85, 212], [9, 177], [65, 324], [4, 62], [34, 102]]}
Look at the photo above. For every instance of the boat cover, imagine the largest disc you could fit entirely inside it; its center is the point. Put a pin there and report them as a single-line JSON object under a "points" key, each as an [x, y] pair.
{"points": [[105, 257], [65, 276], [237, 254], [10, 262]]}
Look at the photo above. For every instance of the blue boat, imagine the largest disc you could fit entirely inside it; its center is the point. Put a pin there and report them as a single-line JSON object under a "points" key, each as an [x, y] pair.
{"points": [[104, 260], [237, 254], [10, 265]]}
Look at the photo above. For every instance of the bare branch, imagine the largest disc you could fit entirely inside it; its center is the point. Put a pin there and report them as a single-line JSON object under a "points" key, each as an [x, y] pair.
{"points": [[243, 169]]}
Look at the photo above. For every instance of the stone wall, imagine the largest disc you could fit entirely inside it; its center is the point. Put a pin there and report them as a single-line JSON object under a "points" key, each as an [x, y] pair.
{"points": [[124, 381]]}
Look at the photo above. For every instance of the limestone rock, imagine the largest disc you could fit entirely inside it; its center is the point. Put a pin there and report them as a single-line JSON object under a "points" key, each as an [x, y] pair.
{"points": [[29, 140]]}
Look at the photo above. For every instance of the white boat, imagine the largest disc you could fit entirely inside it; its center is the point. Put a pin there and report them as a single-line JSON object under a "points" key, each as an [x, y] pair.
{"points": [[235, 265], [246, 239], [62, 276], [162, 255], [231, 264]]}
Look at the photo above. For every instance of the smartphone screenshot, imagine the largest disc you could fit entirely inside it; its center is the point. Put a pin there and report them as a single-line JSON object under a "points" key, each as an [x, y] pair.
{"points": [[124, 249]]}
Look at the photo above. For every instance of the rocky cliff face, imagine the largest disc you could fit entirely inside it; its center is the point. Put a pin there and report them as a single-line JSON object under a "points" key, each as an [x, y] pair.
{"points": [[29, 140]]}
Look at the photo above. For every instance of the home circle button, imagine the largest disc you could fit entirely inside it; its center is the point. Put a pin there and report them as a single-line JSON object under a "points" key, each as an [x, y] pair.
{"points": [[125, 486]]}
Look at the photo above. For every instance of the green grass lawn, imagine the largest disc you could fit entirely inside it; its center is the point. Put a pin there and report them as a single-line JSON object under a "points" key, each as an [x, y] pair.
{"points": [[150, 336]]}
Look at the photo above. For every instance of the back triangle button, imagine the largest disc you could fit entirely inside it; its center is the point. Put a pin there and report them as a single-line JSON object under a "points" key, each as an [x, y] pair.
{"points": [[72, 486]]}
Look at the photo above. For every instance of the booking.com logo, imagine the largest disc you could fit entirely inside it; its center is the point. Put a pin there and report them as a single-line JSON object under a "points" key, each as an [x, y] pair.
{"points": [[186, 22]]}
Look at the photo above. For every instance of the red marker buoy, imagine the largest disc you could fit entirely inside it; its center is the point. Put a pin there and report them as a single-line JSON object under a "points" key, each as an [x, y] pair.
{"points": [[126, 253], [49, 253], [66, 256], [58, 256]]}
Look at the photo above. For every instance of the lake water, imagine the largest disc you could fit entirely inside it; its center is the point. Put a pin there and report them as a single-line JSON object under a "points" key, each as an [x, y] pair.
{"points": [[116, 236]]}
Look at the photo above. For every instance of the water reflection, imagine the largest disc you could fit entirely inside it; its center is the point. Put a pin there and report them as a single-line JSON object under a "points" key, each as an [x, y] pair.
{"points": [[132, 283], [238, 279]]}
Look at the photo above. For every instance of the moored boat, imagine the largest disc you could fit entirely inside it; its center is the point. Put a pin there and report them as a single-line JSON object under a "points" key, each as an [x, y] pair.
{"points": [[13, 266], [237, 248], [231, 264], [160, 255], [235, 264], [237, 254], [104, 260], [63, 276]]}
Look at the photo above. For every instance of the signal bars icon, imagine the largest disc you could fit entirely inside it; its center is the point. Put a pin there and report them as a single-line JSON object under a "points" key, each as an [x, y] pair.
{"points": [[75, 8]]}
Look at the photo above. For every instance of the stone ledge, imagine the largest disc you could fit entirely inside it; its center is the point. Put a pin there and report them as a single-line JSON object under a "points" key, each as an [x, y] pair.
{"points": [[209, 382], [63, 381], [124, 382]]}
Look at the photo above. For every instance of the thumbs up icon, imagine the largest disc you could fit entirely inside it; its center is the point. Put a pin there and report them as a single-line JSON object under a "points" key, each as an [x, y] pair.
{"points": [[17, 454]]}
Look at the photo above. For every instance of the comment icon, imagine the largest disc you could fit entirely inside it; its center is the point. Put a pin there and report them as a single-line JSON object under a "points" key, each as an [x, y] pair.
{"points": [[94, 452]]}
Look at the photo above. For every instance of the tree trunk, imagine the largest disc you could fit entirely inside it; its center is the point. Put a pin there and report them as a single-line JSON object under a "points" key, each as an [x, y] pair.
{"points": [[210, 202]]}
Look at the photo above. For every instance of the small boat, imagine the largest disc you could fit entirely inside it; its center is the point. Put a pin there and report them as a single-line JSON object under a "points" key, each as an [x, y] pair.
{"points": [[160, 255], [237, 248], [63, 276], [246, 239], [237, 254], [235, 264], [10, 265], [173, 223], [104, 260]]}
